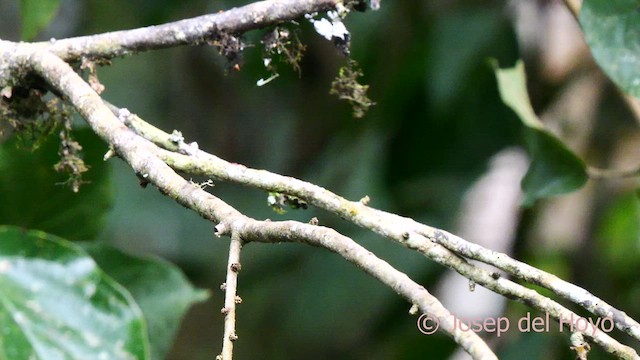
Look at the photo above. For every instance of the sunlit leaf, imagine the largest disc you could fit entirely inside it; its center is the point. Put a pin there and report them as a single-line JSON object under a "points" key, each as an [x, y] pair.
{"points": [[55, 303], [160, 288], [612, 30], [36, 15], [512, 83], [554, 169]]}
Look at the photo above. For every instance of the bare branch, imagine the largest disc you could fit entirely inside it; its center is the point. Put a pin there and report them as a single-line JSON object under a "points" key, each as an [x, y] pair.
{"points": [[403, 230], [185, 32], [231, 298], [142, 157], [266, 231], [155, 155], [536, 276], [425, 239]]}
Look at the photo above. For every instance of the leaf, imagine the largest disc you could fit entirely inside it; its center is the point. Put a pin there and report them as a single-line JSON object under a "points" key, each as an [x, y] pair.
{"points": [[160, 288], [55, 303], [554, 169], [512, 84], [612, 30], [36, 15], [32, 196]]}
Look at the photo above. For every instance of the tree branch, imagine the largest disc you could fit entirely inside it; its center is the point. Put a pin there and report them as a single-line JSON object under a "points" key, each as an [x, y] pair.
{"points": [[185, 32], [141, 155], [155, 155], [403, 230], [231, 298], [431, 242]]}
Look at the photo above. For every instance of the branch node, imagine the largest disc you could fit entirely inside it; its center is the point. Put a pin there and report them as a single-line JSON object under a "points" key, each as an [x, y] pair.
{"points": [[365, 200], [579, 345], [123, 115], [110, 153], [188, 149], [221, 229], [314, 221], [238, 300], [176, 137], [414, 309], [235, 267], [143, 180]]}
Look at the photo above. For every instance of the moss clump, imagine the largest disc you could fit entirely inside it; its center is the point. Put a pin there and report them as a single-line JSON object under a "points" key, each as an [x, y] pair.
{"points": [[347, 87]]}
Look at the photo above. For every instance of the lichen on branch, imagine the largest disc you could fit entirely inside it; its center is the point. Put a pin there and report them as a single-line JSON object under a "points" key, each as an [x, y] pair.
{"points": [[347, 87]]}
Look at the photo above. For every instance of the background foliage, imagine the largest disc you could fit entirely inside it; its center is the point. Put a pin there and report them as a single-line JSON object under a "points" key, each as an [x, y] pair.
{"points": [[438, 121]]}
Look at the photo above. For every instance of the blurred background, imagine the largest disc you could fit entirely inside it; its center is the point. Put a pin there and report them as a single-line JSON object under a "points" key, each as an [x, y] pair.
{"points": [[439, 146]]}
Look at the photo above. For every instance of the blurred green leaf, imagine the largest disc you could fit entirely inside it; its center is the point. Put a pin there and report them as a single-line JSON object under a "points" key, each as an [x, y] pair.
{"points": [[57, 304], [160, 288], [554, 169], [36, 15], [33, 197], [612, 30], [619, 234]]}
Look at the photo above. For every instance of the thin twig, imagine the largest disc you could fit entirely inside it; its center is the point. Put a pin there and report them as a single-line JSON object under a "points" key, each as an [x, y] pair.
{"points": [[231, 298], [597, 173]]}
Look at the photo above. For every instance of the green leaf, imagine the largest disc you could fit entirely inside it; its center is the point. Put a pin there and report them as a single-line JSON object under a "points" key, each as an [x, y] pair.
{"points": [[512, 83], [36, 15], [554, 169], [612, 30], [55, 303], [33, 197], [160, 288]]}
